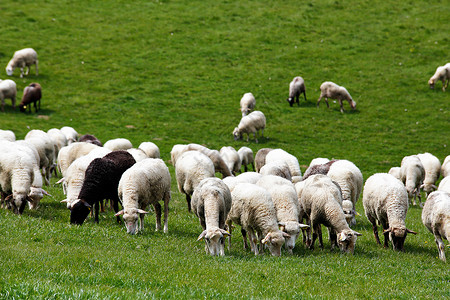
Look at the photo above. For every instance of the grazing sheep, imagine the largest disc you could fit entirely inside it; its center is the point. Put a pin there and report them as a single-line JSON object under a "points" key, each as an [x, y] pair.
{"points": [[219, 164], [412, 174], [58, 138], [443, 74], [147, 182], [385, 201], [445, 168], [31, 94], [318, 161], [276, 168], [432, 167], [260, 158], [396, 172], [191, 168], [101, 182], [118, 144], [444, 185], [211, 202], [252, 208], [246, 156], [248, 103], [137, 153], [46, 149], [331, 90], [71, 152], [89, 138], [231, 158], [250, 123], [436, 217], [314, 169], [176, 151], [247, 177], [8, 90], [150, 149], [21, 59], [7, 135], [321, 200], [282, 157], [70, 133], [296, 88]]}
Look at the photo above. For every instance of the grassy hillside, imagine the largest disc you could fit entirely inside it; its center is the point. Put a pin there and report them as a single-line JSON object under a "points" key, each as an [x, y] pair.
{"points": [[173, 72]]}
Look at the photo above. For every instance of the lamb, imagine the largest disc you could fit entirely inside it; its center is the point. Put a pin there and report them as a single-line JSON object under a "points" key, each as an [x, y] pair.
{"points": [[282, 157], [46, 149], [443, 74], [287, 207], [321, 200], [252, 208], [396, 172], [250, 123], [7, 135], [296, 88], [191, 168], [385, 201], [247, 177], [444, 185], [246, 156], [231, 158], [211, 203], [8, 89], [214, 155], [31, 94], [101, 182], [118, 144], [331, 90], [150, 149], [70, 133], [69, 153], [248, 103], [276, 168], [436, 217], [412, 174], [147, 182], [21, 59], [260, 158], [89, 138], [445, 168], [432, 167]]}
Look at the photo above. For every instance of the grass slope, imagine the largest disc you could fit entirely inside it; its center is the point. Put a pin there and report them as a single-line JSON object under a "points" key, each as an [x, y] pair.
{"points": [[173, 72]]}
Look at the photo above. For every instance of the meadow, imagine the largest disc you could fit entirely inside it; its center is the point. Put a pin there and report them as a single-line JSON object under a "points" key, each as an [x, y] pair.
{"points": [[173, 72]]}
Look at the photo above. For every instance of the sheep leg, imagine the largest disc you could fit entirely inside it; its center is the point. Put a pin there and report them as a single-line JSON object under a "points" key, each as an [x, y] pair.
{"points": [[96, 210], [157, 207], [318, 101], [141, 222], [115, 203], [333, 238], [326, 101], [229, 228], [319, 230], [440, 245], [304, 94], [166, 212], [253, 241], [341, 105], [13, 100], [188, 200], [297, 98], [36, 67], [244, 238], [386, 235]]}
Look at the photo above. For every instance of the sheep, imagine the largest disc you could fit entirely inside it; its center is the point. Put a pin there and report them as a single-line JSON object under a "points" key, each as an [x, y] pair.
{"points": [[396, 172], [385, 201], [277, 168], [214, 155], [280, 156], [69, 153], [231, 158], [250, 123], [432, 167], [150, 149], [191, 168], [31, 94], [331, 90], [246, 156], [260, 158], [176, 151], [444, 185], [318, 161], [101, 182], [21, 59], [8, 89], [314, 169], [248, 103], [89, 138], [137, 153], [46, 149], [118, 144], [436, 217], [445, 168], [247, 177], [296, 88], [58, 138], [321, 200], [7, 135], [70, 133], [287, 207], [443, 74], [412, 174], [252, 208], [211, 203], [146, 182]]}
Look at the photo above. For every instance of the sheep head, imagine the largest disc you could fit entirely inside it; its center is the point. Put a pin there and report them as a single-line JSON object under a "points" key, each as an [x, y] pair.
{"points": [[397, 236], [347, 240], [237, 135], [17, 202], [131, 218], [274, 240], [79, 212], [214, 240], [9, 70], [292, 229]]}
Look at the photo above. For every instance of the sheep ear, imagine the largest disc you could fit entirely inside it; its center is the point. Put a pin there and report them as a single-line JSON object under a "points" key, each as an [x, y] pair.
{"points": [[286, 235], [119, 213], [201, 236], [225, 233], [8, 198], [142, 211], [60, 181], [86, 204], [387, 230], [303, 225], [266, 239], [421, 187], [434, 187], [357, 233], [410, 231], [46, 193], [28, 198], [281, 226], [64, 201]]}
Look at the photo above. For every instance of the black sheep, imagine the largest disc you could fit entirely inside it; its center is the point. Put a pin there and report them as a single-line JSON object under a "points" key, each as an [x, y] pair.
{"points": [[89, 138], [31, 94], [101, 182]]}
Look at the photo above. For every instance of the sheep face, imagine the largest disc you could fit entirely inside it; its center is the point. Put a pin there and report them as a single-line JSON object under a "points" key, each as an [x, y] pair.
{"points": [[274, 241], [17, 202], [347, 240], [79, 212], [397, 236], [347, 207], [9, 70], [293, 230], [430, 83], [130, 219], [237, 135], [214, 241]]}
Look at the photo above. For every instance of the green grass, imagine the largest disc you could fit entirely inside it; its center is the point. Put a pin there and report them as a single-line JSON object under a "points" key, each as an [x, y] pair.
{"points": [[175, 71]]}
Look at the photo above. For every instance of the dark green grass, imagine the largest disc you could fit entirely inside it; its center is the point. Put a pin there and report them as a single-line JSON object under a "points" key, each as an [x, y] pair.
{"points": [[173, 72]]}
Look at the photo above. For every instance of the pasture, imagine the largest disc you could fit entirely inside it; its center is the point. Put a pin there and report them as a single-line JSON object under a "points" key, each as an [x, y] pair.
{"points": [[173, 72]]}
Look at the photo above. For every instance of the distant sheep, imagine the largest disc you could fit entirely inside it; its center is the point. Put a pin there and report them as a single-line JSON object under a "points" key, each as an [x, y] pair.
{"points": [[21, 59], [247, 177], [31, 95], [71, 152], [260, 158], [89, 138], [118, 144], [331, 90], [231, 159], [296, 88], [8, 89], [432, 167], [276, 168], [219, 164], [396, 172], [46, 149], [281, 157], [412, 175], [443, 74], [70, 133], [150, 149], [251, 123], [248, 103], [138, 154], [246, 156]]}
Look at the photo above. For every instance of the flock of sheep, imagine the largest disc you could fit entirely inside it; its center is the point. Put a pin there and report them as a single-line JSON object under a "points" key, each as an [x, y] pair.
{"points": [[273, 204]]}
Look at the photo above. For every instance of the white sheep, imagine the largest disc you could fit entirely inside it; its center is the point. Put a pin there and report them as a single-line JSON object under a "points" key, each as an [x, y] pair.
{"points": [[70, 133], [321, 201], [248, 103], [246, 156], [436, 217], [118, 144], [46, 149], [251, 123], [7, 135], [21, 59], [282, 157], [444, 185], [247, 177], [150, 149], [59, 138], [211, 202], [443, 74], [231, 158], [69, 153], [285, 200], [137, 153], [318, 161], [445, 168], [296, 88], [432, 167], [146, 182], [214, 155], [252, 208], [191, 168], [176, 151], [276, 168], [396, 172], [331, 90], [385, 202], [8, 89], [412, 175]]}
